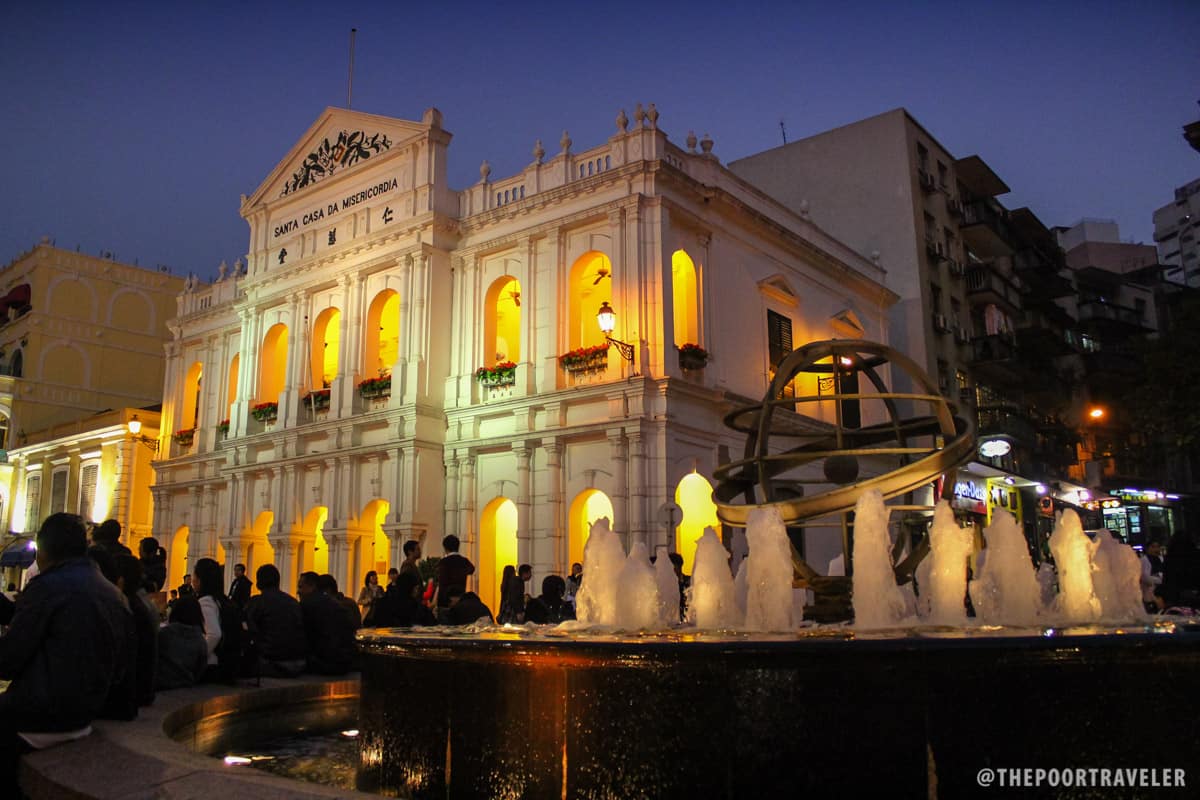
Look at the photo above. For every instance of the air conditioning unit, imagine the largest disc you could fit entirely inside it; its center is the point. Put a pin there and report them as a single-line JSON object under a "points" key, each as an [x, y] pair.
{"points": [[939, 323], [954, 206], [962, 335], [956, 268], [927, 181]]}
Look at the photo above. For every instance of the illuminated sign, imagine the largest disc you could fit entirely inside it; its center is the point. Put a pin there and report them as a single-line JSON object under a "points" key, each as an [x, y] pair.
{"points": [[970, 496], [994, 448]]}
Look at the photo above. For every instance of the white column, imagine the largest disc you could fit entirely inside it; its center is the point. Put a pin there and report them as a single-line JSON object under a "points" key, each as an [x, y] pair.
{"points": [[638, 494], [450, 513], [619, 454], [524, 497]]}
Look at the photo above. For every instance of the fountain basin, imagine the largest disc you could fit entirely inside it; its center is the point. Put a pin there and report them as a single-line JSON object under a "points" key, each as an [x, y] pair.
{"points": [[521, 714]]}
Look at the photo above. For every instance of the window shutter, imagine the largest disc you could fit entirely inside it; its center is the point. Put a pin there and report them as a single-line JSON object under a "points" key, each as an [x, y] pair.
{"points": [[87, 489]]}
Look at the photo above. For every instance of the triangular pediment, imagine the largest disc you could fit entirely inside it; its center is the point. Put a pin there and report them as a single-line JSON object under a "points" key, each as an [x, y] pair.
{"points": [[846, 323], [339, 141], [778, 287]]}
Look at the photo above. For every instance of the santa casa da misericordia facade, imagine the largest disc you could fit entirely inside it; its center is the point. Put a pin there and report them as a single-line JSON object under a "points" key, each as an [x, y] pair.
{"points": [[397, 359]]}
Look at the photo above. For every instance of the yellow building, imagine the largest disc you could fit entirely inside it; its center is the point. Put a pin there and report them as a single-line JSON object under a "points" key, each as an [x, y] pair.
{"points": [[81, 344]]}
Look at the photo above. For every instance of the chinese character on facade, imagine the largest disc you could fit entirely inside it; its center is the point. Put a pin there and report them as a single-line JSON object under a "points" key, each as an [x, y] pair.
{"points": [[283, 255], [333, 237], [387, 214]]}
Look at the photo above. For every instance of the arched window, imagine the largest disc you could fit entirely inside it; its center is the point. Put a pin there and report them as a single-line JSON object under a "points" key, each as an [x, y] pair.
{"points": [[684, 298], [381, 345], [325, 341], [189, 416], [590, 286], [502, 322], [497, 548], [694, 496], [377, 557], [17, 365], [3, 431], [234, 364], [587, 507], [177, 557], [272, 365]]}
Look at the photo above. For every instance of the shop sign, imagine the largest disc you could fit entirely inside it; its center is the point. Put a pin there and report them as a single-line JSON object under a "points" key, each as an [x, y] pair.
{"points": [[970, 496], [994, 448]]}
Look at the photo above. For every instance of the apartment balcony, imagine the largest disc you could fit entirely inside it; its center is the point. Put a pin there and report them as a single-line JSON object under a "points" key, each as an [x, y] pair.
{"points": [[1006, 420], [985, 285], [995, 358], [986, 229], [1110, 317], [1045, 331]]}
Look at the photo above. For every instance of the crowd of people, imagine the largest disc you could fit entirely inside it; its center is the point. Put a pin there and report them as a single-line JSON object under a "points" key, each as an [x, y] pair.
{"points": [[94, 635]]}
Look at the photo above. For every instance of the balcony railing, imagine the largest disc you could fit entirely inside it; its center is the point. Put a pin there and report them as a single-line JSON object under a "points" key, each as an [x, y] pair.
{"points": [[1098, 310], [1003, 421], [983, 280]]}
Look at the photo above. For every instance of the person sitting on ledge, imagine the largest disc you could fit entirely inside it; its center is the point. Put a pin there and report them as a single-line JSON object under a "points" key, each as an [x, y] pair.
{"points": [[401, 606], [328, 584], [182, 648], [276, 626], [465, 609], [550, 608], [332, 648], [64, 649]]}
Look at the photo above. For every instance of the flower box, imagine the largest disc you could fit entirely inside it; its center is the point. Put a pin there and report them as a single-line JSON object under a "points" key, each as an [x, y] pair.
{"points": [[185, 437], [503, 374], [585, 359], [692, 357], [317, 400], [265, 412], [223, 427], [376, 387]]}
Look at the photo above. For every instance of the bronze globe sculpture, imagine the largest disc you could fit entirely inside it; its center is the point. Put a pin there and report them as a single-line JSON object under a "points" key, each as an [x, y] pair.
{"points": [[819, 439]]}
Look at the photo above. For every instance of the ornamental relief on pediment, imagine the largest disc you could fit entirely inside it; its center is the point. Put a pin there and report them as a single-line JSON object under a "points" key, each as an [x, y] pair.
{"points": [[346, 150]]}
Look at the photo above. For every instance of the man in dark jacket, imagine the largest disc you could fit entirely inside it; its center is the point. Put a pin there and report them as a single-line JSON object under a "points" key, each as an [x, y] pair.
{"points": [[239, 590], [64, 650], [107, 536], [452, 572], [276, 626], [332, 648]]}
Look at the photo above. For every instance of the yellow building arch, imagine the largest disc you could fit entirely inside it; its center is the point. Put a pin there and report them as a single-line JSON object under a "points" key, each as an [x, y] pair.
{"points": [[497, 548], [694, 496], [377, 556], [325, 342], [502, 322], [590, 285], [587, 507], [684, 297], [272, 367], [381, 345]]}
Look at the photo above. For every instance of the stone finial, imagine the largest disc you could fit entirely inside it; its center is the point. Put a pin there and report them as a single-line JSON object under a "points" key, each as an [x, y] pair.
{"points": [[237, 267], [622, 122], [565, 142], [539, 152], [432, 117], [875, 257], [691, 141], [485, 169], [804, 209], [639, 116], [221, 270], [652, 115], [706, 144]]}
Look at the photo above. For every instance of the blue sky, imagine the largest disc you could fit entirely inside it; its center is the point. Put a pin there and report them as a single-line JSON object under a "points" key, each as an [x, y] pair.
{"points": [[134, 127]]}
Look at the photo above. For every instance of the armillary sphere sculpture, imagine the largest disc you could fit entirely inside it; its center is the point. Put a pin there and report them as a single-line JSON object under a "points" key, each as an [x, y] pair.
{"points": [[806, 434]]}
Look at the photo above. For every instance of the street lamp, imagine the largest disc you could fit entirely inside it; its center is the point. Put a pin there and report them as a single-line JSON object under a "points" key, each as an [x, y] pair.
{"points": [[1096, 413], [607, 318], [135, 431]]}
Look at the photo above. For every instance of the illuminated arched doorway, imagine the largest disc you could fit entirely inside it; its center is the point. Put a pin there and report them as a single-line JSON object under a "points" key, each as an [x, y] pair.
{"points": [[497, 548], [259, 550], [502, 322], [684, 296], [190, 411], [376, 555], [587, 507], [272, 365], [317, 559], [177, 558], [694, 496], [234, 363], [381, 343], [590, 286], [324, 357]]}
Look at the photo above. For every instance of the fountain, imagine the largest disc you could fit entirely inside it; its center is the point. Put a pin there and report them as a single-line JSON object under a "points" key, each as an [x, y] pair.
{"points": [[913, 698]]}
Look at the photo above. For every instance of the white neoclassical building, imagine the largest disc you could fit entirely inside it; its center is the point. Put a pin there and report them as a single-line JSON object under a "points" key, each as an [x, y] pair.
{"points": [[399, 359]]}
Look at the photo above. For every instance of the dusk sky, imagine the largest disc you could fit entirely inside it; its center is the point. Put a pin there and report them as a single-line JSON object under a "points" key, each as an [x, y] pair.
{"points": [[134, 128]]}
